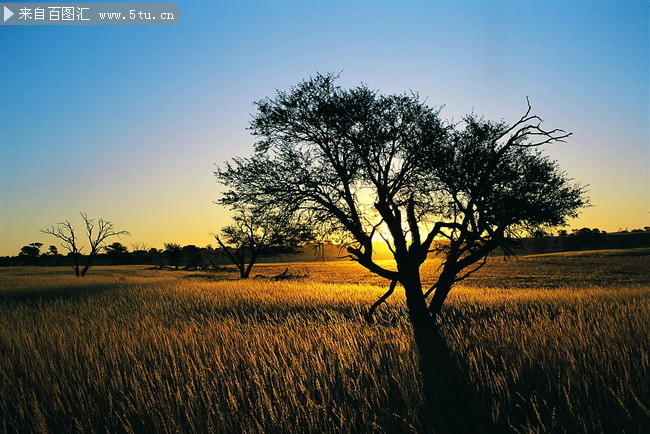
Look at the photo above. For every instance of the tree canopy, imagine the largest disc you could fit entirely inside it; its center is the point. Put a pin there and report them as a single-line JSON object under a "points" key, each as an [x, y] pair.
{"points": [[366, 166]]}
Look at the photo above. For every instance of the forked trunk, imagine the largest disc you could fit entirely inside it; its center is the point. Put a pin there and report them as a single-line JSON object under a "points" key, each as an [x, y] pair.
{"points": [[246, 271], [75, 266], [242, 271], [89, 263]]}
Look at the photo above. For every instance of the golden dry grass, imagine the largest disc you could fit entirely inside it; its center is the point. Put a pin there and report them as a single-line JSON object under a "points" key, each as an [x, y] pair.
{"points": [[127, 349]]}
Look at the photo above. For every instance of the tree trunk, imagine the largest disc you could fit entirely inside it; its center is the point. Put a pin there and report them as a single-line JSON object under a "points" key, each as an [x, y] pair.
{"points": [[242, 271], [75, 262], [446, 391], [443, 287], [89, 262], [247, 272], [428, 344], [85, 270], [419, 315]]}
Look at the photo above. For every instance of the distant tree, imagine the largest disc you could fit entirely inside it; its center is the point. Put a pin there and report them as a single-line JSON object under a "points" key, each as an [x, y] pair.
{"points": [[258, 233], [369, 166], [193, 256], [173, 254], [140, 253], [156, 257], [139, 247], [51, 257], [540, 241], [30, 254], [588, 238], [568, 242], [96, 232], [117, 253]]}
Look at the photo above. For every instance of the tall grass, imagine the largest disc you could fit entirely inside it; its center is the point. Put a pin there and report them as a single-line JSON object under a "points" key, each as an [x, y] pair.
{"points": [[134, 351]]}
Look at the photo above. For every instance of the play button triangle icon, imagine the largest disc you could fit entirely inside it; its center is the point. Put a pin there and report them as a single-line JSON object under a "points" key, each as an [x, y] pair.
{"points": [[7, 12]]}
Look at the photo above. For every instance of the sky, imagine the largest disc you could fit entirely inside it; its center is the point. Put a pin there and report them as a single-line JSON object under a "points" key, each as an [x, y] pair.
{"points": [[128, 122]]}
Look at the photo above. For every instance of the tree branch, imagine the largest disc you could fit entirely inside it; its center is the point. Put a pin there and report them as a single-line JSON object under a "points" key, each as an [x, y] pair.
{"points": [[382, 299], [366, 261]]}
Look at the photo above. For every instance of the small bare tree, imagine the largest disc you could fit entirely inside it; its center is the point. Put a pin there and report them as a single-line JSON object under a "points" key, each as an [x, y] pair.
{"points": [[96, 231]]}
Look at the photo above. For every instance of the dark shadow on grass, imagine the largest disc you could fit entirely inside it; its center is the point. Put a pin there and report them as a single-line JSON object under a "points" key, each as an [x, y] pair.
{"points": [[451, 404]]}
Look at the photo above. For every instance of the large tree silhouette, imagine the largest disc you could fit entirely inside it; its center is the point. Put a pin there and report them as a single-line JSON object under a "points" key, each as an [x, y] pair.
{"points": [[370, 167]]}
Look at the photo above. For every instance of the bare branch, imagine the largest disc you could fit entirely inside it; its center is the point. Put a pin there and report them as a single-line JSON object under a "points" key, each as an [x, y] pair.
{"points": [[474, 270], [382, 299], [388, 243], [523, 129], [105, 229]]}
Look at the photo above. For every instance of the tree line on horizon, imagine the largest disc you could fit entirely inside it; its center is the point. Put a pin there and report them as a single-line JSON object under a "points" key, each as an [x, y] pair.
{"points": [[172, 256], [192, 257]]}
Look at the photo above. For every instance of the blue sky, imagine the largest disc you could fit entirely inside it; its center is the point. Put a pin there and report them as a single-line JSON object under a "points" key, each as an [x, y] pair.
{"points": [[127, 122]]}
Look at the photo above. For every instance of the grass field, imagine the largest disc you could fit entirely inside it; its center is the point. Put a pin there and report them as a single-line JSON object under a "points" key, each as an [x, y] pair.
{"points": [[547, 343]]}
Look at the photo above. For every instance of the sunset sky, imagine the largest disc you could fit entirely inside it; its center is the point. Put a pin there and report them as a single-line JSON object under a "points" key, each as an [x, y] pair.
{"points": [[128, 122]]}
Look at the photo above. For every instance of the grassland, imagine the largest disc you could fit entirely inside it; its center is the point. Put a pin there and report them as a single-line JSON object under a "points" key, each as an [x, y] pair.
{"points": [[547, 343]]}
